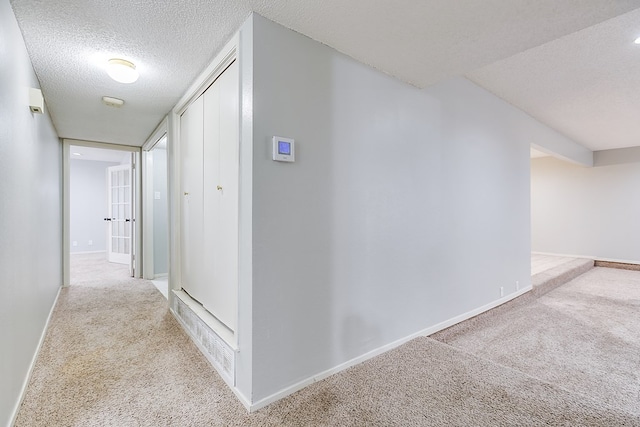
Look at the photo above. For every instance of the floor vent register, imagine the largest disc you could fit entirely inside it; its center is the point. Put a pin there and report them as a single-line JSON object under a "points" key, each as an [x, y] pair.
{"points": [[215, 349]]}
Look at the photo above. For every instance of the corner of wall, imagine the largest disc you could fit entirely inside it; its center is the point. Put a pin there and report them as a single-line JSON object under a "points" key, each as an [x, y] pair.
{"points": [[616, 156]]}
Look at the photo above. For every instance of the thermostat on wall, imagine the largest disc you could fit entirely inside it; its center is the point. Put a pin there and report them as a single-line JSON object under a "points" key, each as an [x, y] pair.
{"points": [[284, 149]]}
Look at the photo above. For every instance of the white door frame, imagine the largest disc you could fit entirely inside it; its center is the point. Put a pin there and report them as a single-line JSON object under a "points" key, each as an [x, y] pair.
{"points": [[66, 201], [227, 55], [148, 269]]}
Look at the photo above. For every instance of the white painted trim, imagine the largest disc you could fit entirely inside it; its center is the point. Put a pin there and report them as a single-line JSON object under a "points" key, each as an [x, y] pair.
{"points": [[373, 353], [25, 384], [227, 55], [147, 197], [217, 66], [137, 208], [103, 145], [147, 200], [66, 213], [156, 135], [173, 189], [593, 257], [244, 325], [88, 252], [242, 398], [66, 202]]}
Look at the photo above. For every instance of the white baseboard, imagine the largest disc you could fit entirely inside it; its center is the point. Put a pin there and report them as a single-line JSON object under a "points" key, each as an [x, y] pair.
{"points": [[87, 252], [373, 353], [23, 390], [593, 257]]}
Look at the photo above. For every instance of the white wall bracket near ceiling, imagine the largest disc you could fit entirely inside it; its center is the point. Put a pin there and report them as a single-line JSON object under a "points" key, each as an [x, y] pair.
{"points": [[112, 102], [36, 101]]}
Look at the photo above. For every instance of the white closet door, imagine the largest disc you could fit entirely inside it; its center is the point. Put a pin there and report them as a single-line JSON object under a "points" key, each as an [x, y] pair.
{"points": [[227, 255], [222, 121], [212, 218], [191, 131]]}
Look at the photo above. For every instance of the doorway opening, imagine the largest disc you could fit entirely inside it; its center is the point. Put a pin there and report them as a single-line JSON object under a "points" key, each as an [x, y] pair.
{"points": [[156, 213], [100, 212]]}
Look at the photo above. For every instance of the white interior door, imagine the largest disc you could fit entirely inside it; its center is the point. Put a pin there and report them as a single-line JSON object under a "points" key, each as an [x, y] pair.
{"points": [[191, 131], [209, 143], [221, 155], [119, 220]]}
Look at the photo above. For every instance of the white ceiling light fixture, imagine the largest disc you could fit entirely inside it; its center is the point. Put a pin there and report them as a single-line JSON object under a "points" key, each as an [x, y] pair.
{"points": [[637, 41], [112, 102], [77, 154], [122, 71]]}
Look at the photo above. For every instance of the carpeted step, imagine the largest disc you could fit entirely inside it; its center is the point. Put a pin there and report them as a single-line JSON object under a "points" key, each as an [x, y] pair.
{"points": [[548, 280], [542, 283]]}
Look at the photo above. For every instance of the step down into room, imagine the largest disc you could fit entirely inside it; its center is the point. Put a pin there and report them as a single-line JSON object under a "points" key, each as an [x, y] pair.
{"points": [[548, 273]]}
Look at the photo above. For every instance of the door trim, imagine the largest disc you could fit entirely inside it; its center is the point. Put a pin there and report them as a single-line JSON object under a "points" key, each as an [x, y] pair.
{"points": [[228, 54], [66, 201], [160, 132]]}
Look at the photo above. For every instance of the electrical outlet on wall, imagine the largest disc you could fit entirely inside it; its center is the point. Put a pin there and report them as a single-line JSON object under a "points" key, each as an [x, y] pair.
{"points": [[90, 242], [517, 285], [501, 291], [75, 243]]}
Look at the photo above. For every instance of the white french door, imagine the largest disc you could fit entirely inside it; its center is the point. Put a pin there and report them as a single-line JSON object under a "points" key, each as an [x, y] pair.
{"points": [[119, 230]]}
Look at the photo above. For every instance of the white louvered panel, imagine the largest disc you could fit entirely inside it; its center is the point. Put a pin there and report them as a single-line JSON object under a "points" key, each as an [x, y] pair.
{"points": [[214, 348]]}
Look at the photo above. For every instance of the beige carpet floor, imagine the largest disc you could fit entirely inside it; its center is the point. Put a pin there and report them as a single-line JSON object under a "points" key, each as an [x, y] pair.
{"points": [[115, 356], [583, 336], [540, 263]]}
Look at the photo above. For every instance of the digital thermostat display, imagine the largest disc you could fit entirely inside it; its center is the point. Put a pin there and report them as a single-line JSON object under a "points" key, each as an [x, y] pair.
{"points": [[283, 149]]}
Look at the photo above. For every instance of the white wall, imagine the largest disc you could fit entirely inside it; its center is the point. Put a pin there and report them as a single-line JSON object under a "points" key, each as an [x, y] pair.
{"points": [[30, 217], [88, 204], [590, 212], [404, 208]]}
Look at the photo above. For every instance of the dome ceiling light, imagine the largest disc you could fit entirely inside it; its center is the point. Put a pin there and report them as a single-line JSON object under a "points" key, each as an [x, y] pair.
{"points": [[122, 71]]}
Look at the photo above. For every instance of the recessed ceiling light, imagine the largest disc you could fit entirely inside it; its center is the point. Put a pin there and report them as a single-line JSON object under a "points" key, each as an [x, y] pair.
{"points": [[77, 154], [122, 71], [112, 102], [637, 41]]}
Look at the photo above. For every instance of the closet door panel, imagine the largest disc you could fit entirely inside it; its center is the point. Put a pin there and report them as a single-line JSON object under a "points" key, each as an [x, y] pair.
{"points": [[212, 190], [191, 131], [227, 254]]}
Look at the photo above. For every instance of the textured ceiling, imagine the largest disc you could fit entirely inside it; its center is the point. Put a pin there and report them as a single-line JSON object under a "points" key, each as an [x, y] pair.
{"points": [[585, 85], [418, 41]]}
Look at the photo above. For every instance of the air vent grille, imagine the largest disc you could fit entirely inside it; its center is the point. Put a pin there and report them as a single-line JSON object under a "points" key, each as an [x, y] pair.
{"points": [[214, 348]]}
